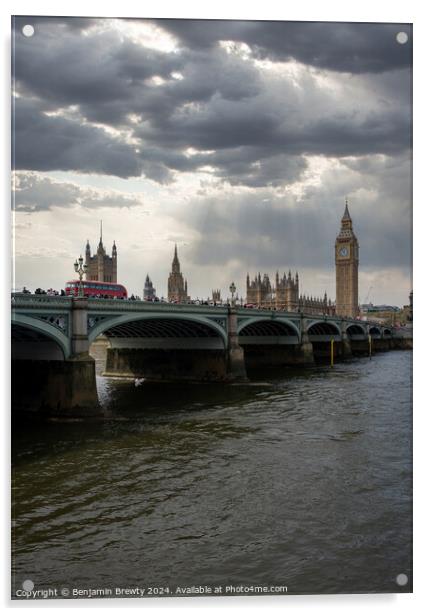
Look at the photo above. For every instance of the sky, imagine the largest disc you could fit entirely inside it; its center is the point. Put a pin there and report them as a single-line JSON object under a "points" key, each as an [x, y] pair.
{"points": [[237, 140]]}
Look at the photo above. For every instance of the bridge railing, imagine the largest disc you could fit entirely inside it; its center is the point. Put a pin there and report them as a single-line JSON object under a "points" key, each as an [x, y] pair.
{"points": [[27, 300], [139, 305]]}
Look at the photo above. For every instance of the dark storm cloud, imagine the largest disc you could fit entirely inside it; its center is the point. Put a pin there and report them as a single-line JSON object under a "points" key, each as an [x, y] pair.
{"points": [[349, 47], [250, 128], [102, 73], [247, 166], [263, 128], [45, 143], [34, 193]]}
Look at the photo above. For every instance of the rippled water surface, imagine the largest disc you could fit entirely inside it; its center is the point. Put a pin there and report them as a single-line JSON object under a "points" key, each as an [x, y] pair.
{"points": [[301, 479]]}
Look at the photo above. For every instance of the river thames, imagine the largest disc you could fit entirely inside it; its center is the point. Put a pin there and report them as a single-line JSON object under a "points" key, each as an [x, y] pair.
{"points": [[300, 479]]}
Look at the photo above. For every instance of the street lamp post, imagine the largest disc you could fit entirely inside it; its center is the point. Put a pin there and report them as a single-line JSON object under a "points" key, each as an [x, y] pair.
{"points": [[232, 289], [80, 269]]}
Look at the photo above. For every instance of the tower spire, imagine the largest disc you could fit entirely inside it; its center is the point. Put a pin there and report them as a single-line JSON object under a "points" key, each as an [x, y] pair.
{"points": [[176, 262], [346, 215]]}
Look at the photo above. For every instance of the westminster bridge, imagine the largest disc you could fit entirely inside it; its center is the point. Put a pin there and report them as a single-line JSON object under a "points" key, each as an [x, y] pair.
{"points": [[52, 336]]}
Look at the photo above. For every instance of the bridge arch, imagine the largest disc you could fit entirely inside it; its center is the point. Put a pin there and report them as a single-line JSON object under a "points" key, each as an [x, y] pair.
{"points": [[51, 342], [387, 332], [375, 331], [355, 330], [323, 328], [261, 326], [159, 325]]}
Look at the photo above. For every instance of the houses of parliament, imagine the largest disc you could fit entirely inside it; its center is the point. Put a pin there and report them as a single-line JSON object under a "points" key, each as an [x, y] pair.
{"points": [[101, 266], [283, 294]]}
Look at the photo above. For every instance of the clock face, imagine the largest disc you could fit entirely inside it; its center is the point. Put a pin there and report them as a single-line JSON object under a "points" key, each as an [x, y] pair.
{"points": [[343, 251]]}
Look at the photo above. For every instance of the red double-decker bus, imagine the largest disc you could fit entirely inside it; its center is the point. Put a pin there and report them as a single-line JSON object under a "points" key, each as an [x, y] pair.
{"points": [[93, 288]]}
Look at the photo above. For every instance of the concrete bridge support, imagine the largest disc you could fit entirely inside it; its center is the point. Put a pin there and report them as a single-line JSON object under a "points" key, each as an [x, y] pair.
{"points": [[306, 354], [44, 383], [274, 355], [360, 347], [322, 351], [235, 353], [381, 344], [403, 342], [80, 343], [55, 388], [345, 341], [167, 364]]}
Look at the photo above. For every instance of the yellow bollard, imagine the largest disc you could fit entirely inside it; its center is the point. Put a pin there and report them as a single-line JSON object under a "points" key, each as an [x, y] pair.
{"points": [[332, 352]]}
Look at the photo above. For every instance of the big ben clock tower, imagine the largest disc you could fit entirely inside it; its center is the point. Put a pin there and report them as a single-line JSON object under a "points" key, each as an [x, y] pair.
{"points": [[346, 267]]}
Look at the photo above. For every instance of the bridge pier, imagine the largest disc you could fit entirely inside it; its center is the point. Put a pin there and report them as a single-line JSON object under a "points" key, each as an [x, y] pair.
{"points": [[55, 387], [346, 347], [381, 344], [80, 343], [403, 342], [235, 365], [166, 364], [306, 354], [257, 356], [360, 347]]}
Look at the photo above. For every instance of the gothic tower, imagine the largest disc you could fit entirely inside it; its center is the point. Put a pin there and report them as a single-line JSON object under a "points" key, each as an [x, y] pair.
{"points": [[100, 256], [177, 286], [149, 290], [100, 266], [114, 262], [346, 267]]}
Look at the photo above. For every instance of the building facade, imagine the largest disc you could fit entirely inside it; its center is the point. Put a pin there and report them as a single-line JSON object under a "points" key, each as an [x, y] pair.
{"points": [[149, 293], [346, 268], [216, 296], [177, 285], [284, 295], [101, 266]]}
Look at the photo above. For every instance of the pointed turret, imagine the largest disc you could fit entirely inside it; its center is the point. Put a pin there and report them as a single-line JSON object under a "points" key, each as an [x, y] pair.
{"points": [[87, 260], [101, 235], [346, 215], [175, 262], [346, 231], [100, 249]]}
